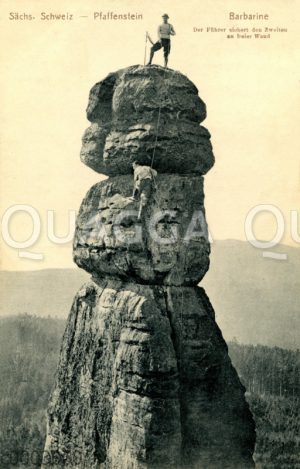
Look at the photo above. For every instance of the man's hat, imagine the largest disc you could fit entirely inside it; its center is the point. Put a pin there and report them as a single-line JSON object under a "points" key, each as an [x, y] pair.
{"points": [[165, 15]]}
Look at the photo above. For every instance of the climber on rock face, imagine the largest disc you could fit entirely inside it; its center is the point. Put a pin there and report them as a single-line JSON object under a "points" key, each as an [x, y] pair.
{"points": [[164, 32], [143, 184]]}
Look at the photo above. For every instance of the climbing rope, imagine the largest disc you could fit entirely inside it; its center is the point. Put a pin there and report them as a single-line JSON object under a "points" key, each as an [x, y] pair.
{"points": [[157, 124], [160, 106]]}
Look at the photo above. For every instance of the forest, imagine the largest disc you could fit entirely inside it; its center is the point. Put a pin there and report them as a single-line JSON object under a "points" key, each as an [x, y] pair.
{"points": [[29, 350]]}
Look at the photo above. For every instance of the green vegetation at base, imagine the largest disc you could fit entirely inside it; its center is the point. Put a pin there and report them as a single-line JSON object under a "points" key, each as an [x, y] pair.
{"points": [[272, 379], [29, 351]]}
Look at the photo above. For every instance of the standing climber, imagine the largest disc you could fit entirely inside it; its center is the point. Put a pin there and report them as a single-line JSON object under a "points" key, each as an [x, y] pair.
{"points": [[143, 184], [165, 30]]}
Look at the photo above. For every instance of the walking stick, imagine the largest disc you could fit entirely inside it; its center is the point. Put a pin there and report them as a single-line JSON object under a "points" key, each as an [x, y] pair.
{"points": [[145, 48]]}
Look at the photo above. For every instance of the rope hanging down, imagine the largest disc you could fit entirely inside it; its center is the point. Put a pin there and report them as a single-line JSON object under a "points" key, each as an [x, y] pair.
{"points": [[160, 106], [157, 124]]}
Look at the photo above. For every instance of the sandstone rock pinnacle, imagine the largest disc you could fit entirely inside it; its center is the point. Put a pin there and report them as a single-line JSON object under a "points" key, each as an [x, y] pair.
{"points": [[144, 379]]}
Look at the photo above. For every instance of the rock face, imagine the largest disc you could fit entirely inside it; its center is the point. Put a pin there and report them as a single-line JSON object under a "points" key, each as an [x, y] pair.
{"points": [[144, 379], [166, 247], [124, 109]]}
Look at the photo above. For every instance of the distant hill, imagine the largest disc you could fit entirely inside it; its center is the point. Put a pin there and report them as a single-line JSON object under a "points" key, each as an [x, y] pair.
{"points": [[41, 292], [256, 299]]}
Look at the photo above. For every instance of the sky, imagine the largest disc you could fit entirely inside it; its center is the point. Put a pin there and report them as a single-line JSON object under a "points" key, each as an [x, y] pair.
{"points": [[250, 87]]}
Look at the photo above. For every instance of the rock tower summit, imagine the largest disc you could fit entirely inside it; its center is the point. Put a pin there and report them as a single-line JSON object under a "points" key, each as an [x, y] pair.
{"points": [[144, 379]]}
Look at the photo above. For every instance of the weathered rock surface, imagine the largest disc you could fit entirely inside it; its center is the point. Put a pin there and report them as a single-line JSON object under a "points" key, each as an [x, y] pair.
{"points": [[169, 245], [109, 98], [145, 381], [139, 111]]}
